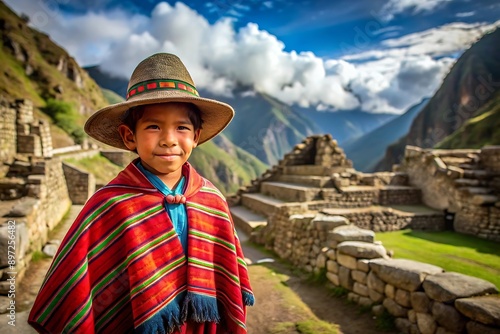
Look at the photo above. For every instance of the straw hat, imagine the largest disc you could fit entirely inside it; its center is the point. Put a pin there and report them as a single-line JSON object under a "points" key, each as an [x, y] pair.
{"points": [[159, 78]]}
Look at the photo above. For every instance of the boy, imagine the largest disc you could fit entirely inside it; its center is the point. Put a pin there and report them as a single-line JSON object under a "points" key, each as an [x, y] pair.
{"points": [[154, 251]]}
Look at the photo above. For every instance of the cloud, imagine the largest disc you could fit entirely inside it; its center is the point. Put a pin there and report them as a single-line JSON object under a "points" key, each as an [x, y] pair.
{"points": [[394, 7], [219, 57], [465, 14]]}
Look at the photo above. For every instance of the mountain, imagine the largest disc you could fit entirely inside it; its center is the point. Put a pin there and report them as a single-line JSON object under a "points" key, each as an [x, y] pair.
{"points": [[366, 151], [264, 126], [346, 125], [478, 131], [471, 84]]}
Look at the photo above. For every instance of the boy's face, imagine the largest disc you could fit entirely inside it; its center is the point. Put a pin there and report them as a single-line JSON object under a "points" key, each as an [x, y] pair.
{"points": [[164, 138]]}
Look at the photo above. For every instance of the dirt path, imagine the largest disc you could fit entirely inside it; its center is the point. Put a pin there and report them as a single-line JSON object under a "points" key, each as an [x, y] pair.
{"points": [[285, 299]]}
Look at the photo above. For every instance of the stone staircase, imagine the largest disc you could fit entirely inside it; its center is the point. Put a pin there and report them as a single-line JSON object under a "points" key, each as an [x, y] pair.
{"points": [[321, 186]]}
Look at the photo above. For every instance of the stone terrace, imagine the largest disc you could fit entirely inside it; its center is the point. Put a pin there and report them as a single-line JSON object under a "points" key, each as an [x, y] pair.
{"points": [[317, 177]]}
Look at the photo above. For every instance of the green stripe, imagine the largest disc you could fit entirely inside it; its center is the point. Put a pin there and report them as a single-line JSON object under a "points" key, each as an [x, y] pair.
{"points": [[110, 313], [212, 238], [122, 227], [63, 291], [214, 266], [129, 259], [207, 209], [212, 190], [242, 262], [83, 226], [157, 275], [77, 317]]}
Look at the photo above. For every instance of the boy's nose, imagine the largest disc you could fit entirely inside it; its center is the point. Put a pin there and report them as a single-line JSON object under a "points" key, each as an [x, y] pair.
{"points": [[168, 139]]}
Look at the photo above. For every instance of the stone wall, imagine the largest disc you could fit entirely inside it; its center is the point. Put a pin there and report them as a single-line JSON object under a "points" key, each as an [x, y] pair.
{"points": [[42, 207], [463, 182], [422, 298], [81, 183], [119, 157], [8, 134]]}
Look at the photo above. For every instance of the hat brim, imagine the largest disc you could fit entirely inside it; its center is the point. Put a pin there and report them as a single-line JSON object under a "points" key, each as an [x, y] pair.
{"points": [[103, 124]]}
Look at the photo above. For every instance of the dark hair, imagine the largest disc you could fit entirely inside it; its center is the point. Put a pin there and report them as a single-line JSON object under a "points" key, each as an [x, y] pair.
{"points": [[134, 114]]}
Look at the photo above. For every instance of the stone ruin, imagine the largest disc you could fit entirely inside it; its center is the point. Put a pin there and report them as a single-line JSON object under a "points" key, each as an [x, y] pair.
{"points": [[36, 186], [314, 210]]}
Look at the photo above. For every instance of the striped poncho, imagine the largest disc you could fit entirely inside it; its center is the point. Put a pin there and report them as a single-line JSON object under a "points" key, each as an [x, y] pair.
{"points": [[121, 267]]}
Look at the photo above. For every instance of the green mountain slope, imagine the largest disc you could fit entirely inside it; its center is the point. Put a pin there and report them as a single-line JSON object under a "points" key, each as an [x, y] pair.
{"points": [[367, 150], [34, 67], [470, 85], [226, 165], [478, 131]]}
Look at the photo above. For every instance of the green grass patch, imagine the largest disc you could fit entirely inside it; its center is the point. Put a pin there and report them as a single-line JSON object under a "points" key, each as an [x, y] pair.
{"points": [[451, 251], [103, 169], [385, 322], [38, 256]]}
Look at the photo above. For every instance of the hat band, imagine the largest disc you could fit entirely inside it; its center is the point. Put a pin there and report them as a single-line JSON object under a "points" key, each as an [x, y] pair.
{"points": [[154, 85]]}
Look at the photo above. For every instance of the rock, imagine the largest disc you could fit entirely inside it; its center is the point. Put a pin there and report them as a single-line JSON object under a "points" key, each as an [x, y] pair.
{"points": [[378, 310], [326, 222], [50, 249], [360, 289], [448, 286], [426, 323], [333, 278], [362, 250], [375, 283], [403, 298], [484, 309], [364, 265], [403, 274], [448, 317], [25, 206], [479, 328], [404, 325], [359, 276], [321, 261], [394, 308], [347, 261], [375, 296], [351, 233], [332, 267], [420, 302], [345, 278], [4, 303]]}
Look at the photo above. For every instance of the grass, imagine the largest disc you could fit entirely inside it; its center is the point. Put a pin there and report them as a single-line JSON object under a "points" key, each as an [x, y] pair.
{"points": [[103, 169], [451, 251]]}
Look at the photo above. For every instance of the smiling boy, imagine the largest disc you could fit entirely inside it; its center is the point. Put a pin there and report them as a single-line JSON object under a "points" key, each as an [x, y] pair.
{"points": [[155, 250]]}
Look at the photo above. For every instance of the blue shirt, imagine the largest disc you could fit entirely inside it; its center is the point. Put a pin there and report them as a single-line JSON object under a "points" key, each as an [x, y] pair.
{"points": [[176, 212]]}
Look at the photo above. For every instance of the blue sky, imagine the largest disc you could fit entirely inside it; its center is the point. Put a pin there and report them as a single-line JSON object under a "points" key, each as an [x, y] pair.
{"points": [[379, 56]]}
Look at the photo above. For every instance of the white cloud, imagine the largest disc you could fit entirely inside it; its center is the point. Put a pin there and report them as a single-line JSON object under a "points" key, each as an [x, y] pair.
{"points": [[219, 57], [394, 7], [465, 14]]}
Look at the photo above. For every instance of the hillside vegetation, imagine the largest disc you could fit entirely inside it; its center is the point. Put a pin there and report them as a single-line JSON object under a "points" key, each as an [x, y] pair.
{"points": [[465, 93]]}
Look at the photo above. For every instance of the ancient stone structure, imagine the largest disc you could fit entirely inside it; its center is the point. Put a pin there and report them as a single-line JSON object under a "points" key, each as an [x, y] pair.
{"points": [[466, 183], [33, 192], [317, 177], [314, 210], [422, 298]]}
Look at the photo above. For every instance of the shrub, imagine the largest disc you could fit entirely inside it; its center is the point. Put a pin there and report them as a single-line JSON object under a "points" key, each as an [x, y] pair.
{"points": [[66, 117]]}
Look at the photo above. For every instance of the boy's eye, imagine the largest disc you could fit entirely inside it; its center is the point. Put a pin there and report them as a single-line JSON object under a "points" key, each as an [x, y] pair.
{"points": [[152, 126], [182, 127]]}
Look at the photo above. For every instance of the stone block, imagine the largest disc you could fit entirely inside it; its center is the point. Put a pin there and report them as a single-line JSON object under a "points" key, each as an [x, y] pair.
{"points": [[333, 278], [448, 317], [332, 266], [448, 286], [426, 323], [362, 250], [403, 298], [375, 296], [375, 283], [359, 276], [345, 278], [351, 233], [394, 308], [347, 261], [360, 289], [364, 265], [479, 328], [484, 309], [420, 302], [402, 273]]}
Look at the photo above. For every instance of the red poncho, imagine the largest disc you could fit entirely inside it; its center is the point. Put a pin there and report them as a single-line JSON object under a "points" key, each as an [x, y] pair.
{"points": [[121, 267]]}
